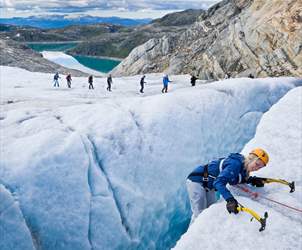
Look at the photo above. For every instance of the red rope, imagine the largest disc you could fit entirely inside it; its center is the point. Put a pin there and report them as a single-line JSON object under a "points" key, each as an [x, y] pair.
{"points": [[255, 195]]}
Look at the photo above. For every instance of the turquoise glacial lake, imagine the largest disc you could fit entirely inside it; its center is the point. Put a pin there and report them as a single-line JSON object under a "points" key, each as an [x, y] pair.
{"points": [[100, 64]]}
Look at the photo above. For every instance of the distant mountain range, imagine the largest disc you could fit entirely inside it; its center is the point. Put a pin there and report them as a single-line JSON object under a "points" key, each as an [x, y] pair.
{"points": [[61, 21]]}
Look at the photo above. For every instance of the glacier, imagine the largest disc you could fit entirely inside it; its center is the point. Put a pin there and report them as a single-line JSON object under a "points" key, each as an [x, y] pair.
{"points": [[91, 169]]}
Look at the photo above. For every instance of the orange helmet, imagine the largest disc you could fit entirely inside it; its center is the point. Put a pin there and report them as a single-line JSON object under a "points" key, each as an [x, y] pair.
{"points": [[261, 154]]}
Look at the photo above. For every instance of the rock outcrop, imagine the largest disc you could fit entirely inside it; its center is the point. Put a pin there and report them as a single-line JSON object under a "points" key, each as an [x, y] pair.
{"points": [[234, 37], [17, 55]]}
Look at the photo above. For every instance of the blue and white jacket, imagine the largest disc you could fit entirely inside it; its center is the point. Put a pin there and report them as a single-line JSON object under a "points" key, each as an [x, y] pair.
{"points": [[229, 170]]}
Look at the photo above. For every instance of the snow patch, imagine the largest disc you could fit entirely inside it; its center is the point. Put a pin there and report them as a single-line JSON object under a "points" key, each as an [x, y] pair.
{"points": [[68, 61]]}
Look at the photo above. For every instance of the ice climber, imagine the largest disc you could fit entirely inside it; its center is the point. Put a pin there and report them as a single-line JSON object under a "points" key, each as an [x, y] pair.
{"points": [[232, 170]]}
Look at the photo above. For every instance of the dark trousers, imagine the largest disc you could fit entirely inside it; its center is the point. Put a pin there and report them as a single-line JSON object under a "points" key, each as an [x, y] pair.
{"points": [[142, 88], [69, 84], [109, 86], [91, 85], [165, 89]]}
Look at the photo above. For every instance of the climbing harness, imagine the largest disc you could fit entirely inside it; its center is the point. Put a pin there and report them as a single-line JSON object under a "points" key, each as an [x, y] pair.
{"points": [[262, 221], [206, 175]]}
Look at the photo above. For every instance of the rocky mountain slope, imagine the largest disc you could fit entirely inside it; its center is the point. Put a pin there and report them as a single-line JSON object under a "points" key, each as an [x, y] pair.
{"points": [[17, 55], [235, 37]]}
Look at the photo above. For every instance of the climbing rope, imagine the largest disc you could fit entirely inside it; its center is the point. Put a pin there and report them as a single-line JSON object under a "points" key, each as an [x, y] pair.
{"points": [[256, 195]]}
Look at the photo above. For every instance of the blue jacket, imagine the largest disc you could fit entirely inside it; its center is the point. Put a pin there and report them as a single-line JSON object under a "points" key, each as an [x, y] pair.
{"points": [[232, 172], [166, 80]]}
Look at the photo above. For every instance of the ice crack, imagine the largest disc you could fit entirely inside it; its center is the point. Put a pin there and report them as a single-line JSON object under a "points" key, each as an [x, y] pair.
{"points": [[117, 203]]}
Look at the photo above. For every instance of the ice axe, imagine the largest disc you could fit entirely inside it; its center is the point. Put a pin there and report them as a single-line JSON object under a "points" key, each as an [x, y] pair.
{"points": [[290, 184], [262, 221]]}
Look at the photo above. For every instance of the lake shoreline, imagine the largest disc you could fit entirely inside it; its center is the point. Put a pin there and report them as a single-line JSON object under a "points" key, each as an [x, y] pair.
{"points": [[98, 57], [52, 42], [102, 64], [71, 54]]}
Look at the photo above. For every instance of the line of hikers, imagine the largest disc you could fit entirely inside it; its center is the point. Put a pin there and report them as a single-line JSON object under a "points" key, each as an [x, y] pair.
{"points": [[109, 82], [165, 80], [90, 81]]}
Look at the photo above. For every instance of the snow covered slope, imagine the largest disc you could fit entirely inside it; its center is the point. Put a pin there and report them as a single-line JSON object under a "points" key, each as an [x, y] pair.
{"points": [[68, 61], [93, 169], [279, 132]]}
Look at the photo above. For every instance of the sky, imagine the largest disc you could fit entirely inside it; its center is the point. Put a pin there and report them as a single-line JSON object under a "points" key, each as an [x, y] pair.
{"points": [[104, 8]]}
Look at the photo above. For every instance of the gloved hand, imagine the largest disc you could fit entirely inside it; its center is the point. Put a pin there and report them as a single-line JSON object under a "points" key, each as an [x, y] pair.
{"points": [[255, 181], [232, 205]]}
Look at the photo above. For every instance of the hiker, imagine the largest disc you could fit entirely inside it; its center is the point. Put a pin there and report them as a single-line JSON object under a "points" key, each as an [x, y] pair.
{"points": [[109, 82], [227, 75], [165, 82], [56, 79], [68, 79], [142, 82], [90, 81], [234, 169], [193, 80]]}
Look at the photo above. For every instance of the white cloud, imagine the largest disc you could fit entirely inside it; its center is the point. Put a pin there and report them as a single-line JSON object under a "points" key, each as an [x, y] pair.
{"points": [[84, 5]]}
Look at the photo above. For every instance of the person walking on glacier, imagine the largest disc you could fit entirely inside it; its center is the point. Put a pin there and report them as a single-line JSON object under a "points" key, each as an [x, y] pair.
{"points": [[142, 83], [90, 81], [165, 83], [56, 79], [109, 82], [193, 80], [234, 169], [68, 79]]}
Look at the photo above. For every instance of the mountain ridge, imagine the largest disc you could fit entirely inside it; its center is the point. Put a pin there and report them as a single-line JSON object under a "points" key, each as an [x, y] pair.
{"points": [[234, 37], [61, 21]]}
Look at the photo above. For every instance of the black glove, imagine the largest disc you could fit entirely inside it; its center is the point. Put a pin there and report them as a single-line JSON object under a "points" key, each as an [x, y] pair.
{"points": [[232, 205], [256, 181]]}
